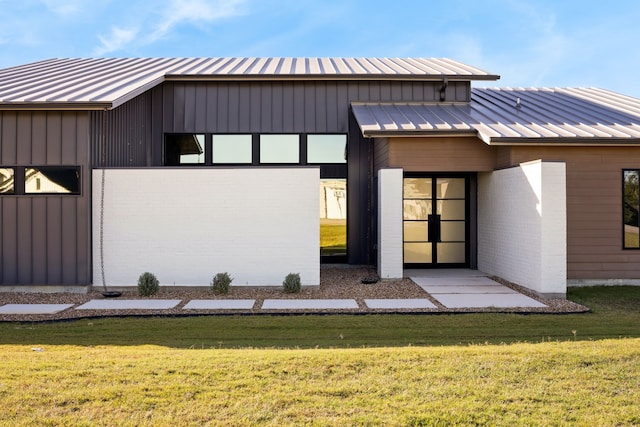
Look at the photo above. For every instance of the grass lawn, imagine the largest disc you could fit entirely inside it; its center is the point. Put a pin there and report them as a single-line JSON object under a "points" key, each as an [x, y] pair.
{"points": [[474, 369]]}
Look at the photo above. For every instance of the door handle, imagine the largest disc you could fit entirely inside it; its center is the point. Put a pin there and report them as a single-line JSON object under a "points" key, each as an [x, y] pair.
{"points": [[434, 234]]}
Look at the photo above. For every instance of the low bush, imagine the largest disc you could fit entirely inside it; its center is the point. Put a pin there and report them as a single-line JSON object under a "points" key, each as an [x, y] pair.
{"points": [[148, 284], [221, 283], [291, 283]]}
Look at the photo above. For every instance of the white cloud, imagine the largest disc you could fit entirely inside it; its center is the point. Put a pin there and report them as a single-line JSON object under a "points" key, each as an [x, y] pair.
{"points": [[64, 7], [116, 40], [177, 12]]}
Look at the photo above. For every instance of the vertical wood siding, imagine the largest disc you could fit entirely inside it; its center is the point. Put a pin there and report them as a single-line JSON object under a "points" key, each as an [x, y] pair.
{"points": [[45, 239]]}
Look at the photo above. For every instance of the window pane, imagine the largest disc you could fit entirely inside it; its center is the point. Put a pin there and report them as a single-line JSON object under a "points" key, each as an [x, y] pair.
{"points": [[451, 188], [279, 149], [231, 149], [52, 180], [417, 188], [333, 217], [415, 253], [416, 231], [188, 149], [630, 209], [326, 149], [416, 209], [7, 185]]}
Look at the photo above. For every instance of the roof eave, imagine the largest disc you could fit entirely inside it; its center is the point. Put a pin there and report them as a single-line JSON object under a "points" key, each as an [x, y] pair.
{"points": [[56, 106], [330, 77]]}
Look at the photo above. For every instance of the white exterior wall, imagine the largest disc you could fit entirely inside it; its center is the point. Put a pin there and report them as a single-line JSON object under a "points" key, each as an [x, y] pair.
{"points": [[390, 223], [186, 225], [522, 231]]}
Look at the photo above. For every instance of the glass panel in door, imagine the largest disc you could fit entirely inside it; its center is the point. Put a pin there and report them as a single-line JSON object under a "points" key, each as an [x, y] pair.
{"points": [[440, 237]]}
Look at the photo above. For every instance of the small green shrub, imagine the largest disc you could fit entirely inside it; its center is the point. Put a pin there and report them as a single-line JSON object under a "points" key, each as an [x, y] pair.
{"points": [[221, 283], [291, 283], [148, 284]]}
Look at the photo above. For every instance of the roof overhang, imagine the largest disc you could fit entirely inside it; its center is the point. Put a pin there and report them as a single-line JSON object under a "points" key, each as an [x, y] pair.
{"points": [[508, 117]]}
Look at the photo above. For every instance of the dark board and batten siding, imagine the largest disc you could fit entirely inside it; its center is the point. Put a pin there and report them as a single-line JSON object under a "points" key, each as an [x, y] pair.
{"points": [[45, 239], [127, 131], [297, 107]]}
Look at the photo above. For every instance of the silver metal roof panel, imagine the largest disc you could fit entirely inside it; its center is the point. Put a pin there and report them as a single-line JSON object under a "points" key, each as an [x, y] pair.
{"points": [[106, 82], [513, 116]]}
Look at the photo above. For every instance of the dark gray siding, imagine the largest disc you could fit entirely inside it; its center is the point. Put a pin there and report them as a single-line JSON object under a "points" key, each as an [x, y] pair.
{"points": [[298, 107], [45, 239], [304, 106], [127, 131]]}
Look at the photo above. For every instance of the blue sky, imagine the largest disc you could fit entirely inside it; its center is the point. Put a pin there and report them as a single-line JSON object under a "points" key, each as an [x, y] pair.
{"points": [[527, 42]]}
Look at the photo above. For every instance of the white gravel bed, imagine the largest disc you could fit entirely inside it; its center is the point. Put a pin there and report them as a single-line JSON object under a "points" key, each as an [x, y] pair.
{"points": [[335, 283]]}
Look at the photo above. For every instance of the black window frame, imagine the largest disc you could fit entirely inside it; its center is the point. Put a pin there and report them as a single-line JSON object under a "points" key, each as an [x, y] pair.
{"points": [[625, 209]]}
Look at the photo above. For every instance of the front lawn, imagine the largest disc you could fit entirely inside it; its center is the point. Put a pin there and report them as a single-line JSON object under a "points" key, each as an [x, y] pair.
{"points": [[475, 369]]}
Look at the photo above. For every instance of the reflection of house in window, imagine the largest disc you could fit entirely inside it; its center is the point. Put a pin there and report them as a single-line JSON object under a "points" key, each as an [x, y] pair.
{"points": [[333, 199], [187, 149], [50, 179], [6, 181]]}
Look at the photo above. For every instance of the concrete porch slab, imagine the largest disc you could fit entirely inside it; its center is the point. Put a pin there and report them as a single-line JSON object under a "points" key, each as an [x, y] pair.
{"points": [[487, 300], [454, 281], [33, 308], [220, 304], [480, 289], [308, 304], [399, 303], [129, 304]]}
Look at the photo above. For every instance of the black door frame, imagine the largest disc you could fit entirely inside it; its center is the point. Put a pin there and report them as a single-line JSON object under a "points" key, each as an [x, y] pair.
{"points": [[470, 220]]}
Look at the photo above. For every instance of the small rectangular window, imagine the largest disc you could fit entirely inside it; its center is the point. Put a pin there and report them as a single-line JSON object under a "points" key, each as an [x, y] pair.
{"points": [[231, 149], [279, 149], [52, 180], [630, 209], [326, 149], [184, 149], [7, 181], [333, 219]]}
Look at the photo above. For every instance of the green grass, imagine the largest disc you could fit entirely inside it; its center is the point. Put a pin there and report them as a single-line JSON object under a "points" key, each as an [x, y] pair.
{"points": [[292, 370], [333, 236]]}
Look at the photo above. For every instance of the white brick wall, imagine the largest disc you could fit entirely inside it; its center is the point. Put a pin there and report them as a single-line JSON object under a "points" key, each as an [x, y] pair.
{"points": [[522, 226], [186, 225], [390, 223]]}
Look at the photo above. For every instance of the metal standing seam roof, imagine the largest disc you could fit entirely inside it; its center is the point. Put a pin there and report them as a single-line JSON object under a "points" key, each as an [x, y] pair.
{"points": [[508, 116], [101, 83]]}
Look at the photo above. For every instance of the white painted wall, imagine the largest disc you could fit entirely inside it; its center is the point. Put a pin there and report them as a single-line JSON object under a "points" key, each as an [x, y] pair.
{"points": [[390, 223], [186, 225], [522, 233]]}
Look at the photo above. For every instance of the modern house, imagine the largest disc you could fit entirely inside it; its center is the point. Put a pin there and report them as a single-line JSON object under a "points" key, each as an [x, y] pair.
{"points": [[266, 166]]}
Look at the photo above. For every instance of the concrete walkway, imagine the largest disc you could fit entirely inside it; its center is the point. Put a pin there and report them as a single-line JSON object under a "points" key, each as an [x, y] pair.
{"points": [[469, 289], [453, 289]]}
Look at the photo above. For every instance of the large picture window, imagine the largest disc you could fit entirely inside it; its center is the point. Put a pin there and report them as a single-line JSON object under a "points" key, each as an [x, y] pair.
{"points": [[630, 208]]}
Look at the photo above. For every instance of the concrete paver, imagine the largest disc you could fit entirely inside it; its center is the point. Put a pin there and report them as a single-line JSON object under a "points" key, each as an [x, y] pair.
{"points": [[399, 303], [220, 304], [33, 308], [487, 300], [308, 304], [129, 304], [480, 289]]}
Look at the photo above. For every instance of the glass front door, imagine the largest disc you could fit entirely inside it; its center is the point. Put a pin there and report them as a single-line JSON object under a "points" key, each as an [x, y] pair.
{"points": [[435, 221]]}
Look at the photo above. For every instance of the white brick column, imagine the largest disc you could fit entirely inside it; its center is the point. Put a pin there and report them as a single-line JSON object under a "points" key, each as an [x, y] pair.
{"points": [[522, 230], [390, 256]]}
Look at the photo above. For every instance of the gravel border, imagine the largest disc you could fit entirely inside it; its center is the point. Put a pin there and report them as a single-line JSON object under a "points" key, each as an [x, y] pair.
{"points": [[335, 283]]}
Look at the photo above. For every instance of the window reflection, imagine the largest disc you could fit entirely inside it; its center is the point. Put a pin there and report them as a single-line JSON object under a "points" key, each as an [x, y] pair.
{"points": [[333, 217], [186, 149], [7, 182], [52, 180], [326, 149], [231, 149], [630, 209], [279, 149]]}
